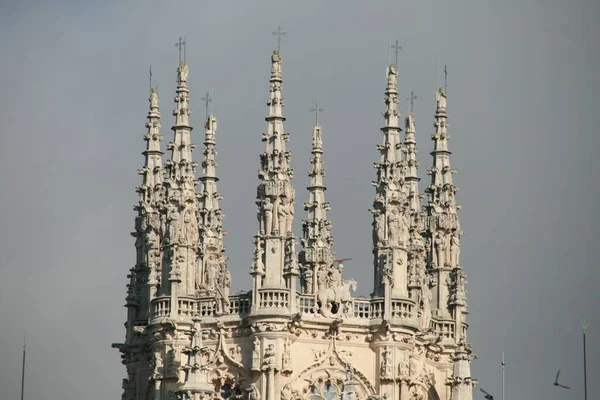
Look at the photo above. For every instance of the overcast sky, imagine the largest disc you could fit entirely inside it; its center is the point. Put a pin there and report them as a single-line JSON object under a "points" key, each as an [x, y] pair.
{"points": [[523, 103]]}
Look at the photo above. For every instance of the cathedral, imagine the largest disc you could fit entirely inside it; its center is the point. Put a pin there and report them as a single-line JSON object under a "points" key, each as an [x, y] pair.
{"points": [[298, 333]]}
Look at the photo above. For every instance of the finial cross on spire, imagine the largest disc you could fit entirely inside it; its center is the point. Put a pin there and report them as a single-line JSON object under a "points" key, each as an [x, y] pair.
{"points": [[316, 110], [207, 99], [279, 33], [181, 44], [396, 46], [412, 99], [150, 77]]}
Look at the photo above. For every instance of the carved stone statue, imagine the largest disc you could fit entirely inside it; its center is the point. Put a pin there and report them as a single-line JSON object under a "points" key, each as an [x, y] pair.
{"points": [[282, 216], [256, 355], [269, 357], [308, 280], [259, 266], [182, 73], [153, 98], [403, 370], [212, 271], [394, 227], [287, 356], [266, 216], [440, 249], [276, 61], [405, 226], [426, 297], [386, 363], [454, 249], [173, 225], [440, 97]]}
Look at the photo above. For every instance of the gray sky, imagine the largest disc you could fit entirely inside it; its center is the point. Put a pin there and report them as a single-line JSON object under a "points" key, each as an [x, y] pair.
{"points": [[523, 99]]}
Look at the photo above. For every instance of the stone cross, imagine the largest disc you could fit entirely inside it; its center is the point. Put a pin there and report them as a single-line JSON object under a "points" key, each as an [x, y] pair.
{"points": [[316, 110], [207, 99], [396, 46], [181, 44], [412, 99], [279, 34]]}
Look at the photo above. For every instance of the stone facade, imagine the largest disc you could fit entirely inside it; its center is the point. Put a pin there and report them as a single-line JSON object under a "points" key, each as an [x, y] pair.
{"points": [[299, 333]]}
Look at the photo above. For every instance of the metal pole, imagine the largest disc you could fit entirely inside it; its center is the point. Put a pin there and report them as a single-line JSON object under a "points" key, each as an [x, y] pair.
{"points": [[23, 370], [584, 327], [503, 365]]}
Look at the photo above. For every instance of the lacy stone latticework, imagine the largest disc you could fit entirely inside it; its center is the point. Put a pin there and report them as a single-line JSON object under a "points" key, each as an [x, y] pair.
{"points": [[298, 333]]}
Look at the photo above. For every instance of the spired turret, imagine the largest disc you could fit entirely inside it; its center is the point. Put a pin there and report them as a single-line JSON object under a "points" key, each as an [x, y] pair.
{"points": [[275, 260], [181, 208], [214, 279], [391, 213]]}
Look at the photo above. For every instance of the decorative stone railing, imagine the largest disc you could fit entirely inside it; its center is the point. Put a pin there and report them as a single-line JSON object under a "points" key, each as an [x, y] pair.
{"points": [[306, 303], [273, 298], [444, 329], [361, 308], [187, 307], [240, 304], [403, 309], [160, 307]]}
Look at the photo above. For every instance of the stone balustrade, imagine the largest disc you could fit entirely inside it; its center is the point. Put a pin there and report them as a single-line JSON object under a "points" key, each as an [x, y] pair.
{"points": [[403, 309], [160, 307], [274, 298], [444, 329]]}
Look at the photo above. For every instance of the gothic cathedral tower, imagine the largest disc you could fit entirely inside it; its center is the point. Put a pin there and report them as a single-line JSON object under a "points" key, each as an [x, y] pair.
{"points": [[298, 333]]}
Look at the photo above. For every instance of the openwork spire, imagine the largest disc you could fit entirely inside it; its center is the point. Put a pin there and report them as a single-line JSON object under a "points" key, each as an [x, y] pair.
{"points": [[181, 209], [152, 171], [215, 279], [443, 227], [274, 254], [390, 208], [317, 241]]}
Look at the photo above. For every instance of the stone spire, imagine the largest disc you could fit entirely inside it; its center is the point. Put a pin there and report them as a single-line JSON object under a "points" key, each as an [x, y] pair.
{"points": [[181, 212], [317, 241], [147, 219], [416, 253], [275, 262], [443, 229], [390, 208], [215, 279]]}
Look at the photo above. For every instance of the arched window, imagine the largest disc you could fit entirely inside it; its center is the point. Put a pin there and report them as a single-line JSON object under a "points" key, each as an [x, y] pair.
{"points": [[324, 391]]}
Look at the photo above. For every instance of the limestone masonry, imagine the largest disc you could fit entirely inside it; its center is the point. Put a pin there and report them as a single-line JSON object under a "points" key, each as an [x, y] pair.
{"points": [[298, 333]]}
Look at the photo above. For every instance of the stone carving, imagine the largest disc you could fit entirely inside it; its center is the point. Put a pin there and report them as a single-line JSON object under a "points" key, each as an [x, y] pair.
{"points": [[269, 357], [440, 97], [259, 265], [287, 357], [403, 369], [333, 293], [426, 298], [386, 363], [256, 355], [394, 227], [265, 216], [440, 249], [253, 393], [454, 249], [153, 98], [182, 73], [211, 271], [276, 64]]}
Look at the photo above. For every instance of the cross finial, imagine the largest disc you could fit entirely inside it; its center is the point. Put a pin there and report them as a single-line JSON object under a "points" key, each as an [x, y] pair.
{"points": [[584, 324], [316, 110], [150, 77], [412, 99], [445, 78], [279, 33], [207, 99], [396, 46], [181, 44]]}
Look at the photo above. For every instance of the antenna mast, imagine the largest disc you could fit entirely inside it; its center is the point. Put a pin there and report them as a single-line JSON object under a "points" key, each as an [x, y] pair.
{"points": [[583, 328], [23, 371], [503, 365]]}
